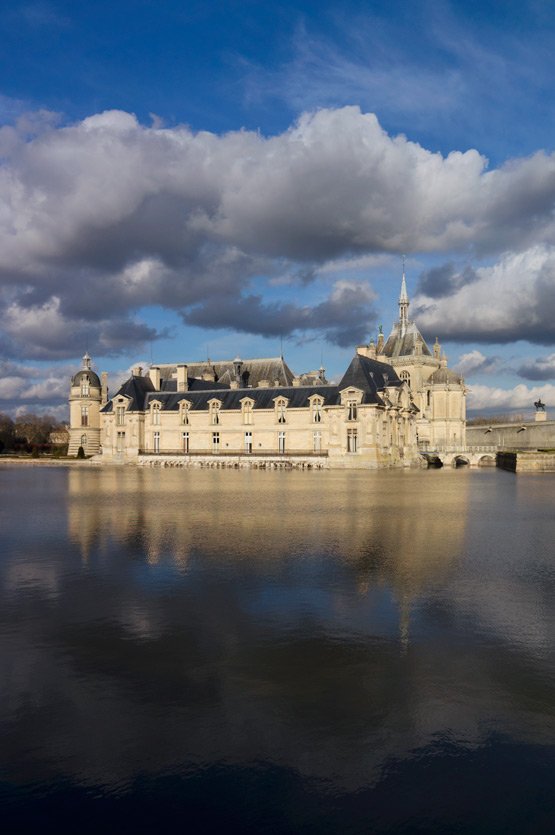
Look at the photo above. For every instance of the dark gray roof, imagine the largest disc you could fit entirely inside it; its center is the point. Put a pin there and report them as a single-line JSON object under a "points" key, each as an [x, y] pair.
{"points": [[254, 370], [369, 375], [83, 374], [136, 388], [401, 344]]}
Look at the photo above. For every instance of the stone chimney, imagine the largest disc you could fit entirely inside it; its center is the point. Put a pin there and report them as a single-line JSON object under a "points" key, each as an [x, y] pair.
{"points": [[154, 375], [296, 382], [263, 384], [104, 377], [363, 350], [182, 382], [137, 371], [208, 375]]}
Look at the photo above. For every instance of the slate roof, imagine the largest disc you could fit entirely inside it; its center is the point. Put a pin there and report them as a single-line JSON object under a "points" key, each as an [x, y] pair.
{"points": [[86, 372], [401, 344], [368, 375], [254, 370]]}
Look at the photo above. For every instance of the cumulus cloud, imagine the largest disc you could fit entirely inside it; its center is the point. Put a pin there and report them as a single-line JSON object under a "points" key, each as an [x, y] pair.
{"points": [[520, 397], [514, 299], [542, 368], [474, 362], [104, 216], [344, 318], [444, 280]]}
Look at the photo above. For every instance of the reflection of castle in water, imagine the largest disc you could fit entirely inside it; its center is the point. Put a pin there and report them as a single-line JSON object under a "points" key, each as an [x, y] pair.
{"points": [[379, 527]]}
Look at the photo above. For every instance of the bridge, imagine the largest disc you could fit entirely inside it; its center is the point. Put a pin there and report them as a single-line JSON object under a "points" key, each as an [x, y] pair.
{"points": [[459, 456]]}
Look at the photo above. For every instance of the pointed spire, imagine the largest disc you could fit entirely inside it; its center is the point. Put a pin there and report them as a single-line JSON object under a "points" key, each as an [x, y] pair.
{"points": [[403, 303]]}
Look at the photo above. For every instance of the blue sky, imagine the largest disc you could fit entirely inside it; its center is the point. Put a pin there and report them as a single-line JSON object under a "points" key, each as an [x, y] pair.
{"points": [[206, 176]]}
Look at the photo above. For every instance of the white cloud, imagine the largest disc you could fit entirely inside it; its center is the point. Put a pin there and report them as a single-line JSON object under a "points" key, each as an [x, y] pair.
{"points": [[474, 362], [102, 217], [514, 299], [519, 397]]}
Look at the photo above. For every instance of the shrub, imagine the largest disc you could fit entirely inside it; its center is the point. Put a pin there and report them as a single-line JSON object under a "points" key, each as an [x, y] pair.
{"points": [[80, 452]]}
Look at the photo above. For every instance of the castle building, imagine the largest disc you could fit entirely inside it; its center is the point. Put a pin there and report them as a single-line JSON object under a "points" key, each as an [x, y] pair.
{"points": [[394, 399], [438, 392]]}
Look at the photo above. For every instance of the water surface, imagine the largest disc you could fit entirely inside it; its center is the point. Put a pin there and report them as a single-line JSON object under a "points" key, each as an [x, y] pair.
{"points": [[278, 652]]}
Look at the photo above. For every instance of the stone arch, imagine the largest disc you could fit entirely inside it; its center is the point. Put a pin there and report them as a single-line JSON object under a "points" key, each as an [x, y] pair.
{"points": [[460, 461], [486, 461]]}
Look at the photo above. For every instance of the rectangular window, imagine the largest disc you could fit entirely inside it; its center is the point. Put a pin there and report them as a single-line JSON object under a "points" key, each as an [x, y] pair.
{"points": [[185, 437], [215, 408], [120, 416], [352, 440], [281, 441], [156, 415], [185, 413], [215, 442], [85, 389], [317, 412], [351, 410], [120, 442], [156, 441], [248, 442], [281, 412], [317, 441], [84, 415]]}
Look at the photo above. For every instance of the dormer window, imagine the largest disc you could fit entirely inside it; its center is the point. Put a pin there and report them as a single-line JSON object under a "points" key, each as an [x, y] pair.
{"points": [[85, 386], [317, 410], [120, 415], [184, 412], [156, 414], [215, 412], [281, 410], [246, 409]]}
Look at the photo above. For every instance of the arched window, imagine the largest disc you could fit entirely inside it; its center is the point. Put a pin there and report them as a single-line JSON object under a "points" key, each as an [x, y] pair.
{"points": [[184, 412], [281, 410], [246, 407], [405, 375], [83, 441], [215, 413]]}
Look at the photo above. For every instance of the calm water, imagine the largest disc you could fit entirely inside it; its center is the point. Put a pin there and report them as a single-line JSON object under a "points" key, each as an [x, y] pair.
{"points": [[258, 652]]}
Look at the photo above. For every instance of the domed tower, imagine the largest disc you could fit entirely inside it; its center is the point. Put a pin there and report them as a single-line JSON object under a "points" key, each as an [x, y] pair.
{"points": [[87, 396]]}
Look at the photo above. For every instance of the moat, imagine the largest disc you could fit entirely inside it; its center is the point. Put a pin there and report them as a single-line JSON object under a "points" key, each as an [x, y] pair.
{"points": [[277, 652]]}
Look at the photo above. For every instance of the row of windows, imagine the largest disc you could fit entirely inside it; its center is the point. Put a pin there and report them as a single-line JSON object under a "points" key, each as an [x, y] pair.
{"points": [[281, 413], [248, 444]]}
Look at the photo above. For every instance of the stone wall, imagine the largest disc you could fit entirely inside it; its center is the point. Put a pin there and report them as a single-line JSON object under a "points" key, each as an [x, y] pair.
{"points": [[527, 462], [534, 435]]}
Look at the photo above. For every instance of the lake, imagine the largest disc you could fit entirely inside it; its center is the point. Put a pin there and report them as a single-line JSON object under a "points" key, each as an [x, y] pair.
{"points": [[277, 652]]}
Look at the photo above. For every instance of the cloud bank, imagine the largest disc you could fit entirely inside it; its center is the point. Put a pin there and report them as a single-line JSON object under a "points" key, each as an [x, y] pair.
{"points": [[103, 217]]}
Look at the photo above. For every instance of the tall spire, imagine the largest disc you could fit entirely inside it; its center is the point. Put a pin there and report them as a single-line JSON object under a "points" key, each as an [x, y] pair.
{"points": [[403, 303]]}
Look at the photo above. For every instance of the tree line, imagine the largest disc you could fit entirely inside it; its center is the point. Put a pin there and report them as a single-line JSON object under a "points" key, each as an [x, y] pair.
{"points": [[27, 431]]}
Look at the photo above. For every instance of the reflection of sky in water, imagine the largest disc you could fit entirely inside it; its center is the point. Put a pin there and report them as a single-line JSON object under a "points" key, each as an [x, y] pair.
{"points": [[333, 627]]}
